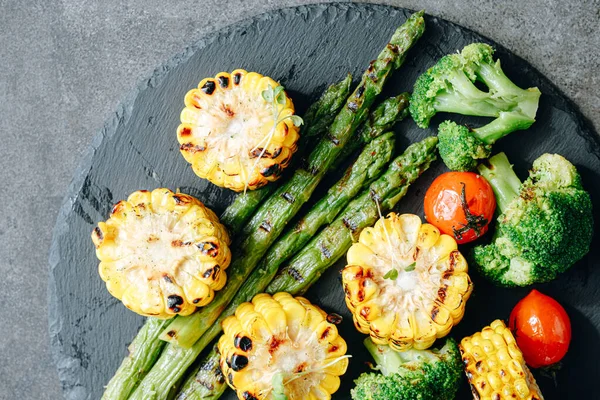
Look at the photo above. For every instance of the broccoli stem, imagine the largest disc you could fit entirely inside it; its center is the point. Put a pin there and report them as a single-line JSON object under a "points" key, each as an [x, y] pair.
{"points": [[388, 360], [499, 173], [506, 123]]}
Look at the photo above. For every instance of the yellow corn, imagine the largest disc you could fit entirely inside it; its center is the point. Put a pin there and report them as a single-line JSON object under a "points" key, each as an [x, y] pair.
{"points": [[162, 253], [406, 285], [495, 366], [282, 335], [227, 125]]}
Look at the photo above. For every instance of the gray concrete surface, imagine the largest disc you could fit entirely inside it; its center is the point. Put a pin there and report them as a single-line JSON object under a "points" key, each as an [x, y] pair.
{"points": [[65, 65]]}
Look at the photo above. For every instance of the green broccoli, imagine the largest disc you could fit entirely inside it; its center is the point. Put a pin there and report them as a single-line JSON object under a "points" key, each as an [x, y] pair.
{"points": [[545, 224], [449, 86], [432, 374]]}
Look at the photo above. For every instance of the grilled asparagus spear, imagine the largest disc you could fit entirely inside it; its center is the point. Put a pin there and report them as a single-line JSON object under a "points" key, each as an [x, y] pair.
{"points": [[274, 214], [317, 119], [143, 351], [147, 346], [368, 166], [320, 253]]}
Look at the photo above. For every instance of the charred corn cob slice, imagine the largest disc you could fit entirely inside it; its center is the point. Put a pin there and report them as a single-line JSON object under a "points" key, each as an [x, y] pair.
{"points": [[162, 253], [405, 283], [495, 366], [285, 339], [233, 135]]}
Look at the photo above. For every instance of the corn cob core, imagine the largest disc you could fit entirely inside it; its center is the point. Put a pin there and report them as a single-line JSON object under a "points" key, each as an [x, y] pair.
{"points": [[495, 366], [281, 335], [418, 302], [162, 253], [227, 124]]}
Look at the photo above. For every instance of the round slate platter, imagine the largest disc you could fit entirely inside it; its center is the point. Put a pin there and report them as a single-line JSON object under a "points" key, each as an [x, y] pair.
{"points": [[305, 48]]}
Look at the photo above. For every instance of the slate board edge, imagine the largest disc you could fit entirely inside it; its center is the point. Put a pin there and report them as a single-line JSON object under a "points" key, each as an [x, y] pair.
{"points": [[68, 366]]}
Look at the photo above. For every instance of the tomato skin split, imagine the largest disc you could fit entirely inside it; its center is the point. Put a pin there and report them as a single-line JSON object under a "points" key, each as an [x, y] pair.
{"points": [[460, 204], [542, 329]]}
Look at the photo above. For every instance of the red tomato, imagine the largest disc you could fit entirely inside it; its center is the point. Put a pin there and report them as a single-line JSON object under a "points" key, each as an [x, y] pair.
{"points": [[460, 204], [542, 329]]}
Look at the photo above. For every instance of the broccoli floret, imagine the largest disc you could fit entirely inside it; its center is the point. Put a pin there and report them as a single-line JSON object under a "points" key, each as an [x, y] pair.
{"points": [[432, 374], [449, 86], [545, 226]]}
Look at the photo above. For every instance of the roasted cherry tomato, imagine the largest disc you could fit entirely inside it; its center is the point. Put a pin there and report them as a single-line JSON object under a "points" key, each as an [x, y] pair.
{"points": [[460, 204], [542, 329]]}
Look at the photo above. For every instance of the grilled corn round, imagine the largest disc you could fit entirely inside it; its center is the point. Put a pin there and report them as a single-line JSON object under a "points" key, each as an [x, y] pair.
{"points": [[232, 135], [162, 253], [405, 283], [282, 338], [495, 366]]}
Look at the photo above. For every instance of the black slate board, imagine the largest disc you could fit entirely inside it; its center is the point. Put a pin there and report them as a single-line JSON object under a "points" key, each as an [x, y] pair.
{"points": [[306, 48]]}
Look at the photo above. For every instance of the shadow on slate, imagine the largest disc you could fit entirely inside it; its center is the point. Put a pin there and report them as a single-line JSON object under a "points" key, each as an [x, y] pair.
{"points": [[306, 48]]}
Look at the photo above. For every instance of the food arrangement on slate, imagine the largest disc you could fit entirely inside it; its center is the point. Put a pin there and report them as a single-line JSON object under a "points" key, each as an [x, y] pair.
{"points": [[224, 297]]}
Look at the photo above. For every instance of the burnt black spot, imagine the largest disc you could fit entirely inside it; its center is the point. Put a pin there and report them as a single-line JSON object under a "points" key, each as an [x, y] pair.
{"points": [[334, 140], [190, 147], [238, 362], [348, 224], [478, 365], [181, 198], [324, 250], [196, 301], [442, 293], [223, 81], [266, 226], [185, 132], [98, 233], [294, 273], [209, 248], [167, 278], [434, 313], [209, 87], [274, 169], [360, 91], [325, 333], [171, 334], [237, 78], [219, 374], [288, 197], [243, 343], [173, 301], [214, 272], [334, 318], [393, 48], [249, 396], [258, 151], [230, 379]]}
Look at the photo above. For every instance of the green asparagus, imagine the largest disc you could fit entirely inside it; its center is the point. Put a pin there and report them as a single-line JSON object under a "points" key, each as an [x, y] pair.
{"points": [[333, 242], [143, 352], [207, 380], [317, 119], [321, 252], [137, 364], [381, 119], [273, 215]]}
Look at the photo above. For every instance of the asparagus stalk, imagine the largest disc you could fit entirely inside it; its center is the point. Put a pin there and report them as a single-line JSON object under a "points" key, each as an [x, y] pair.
{"points": [[368, 166], [137, 364], [321, 252], [143, 352], [317, 119], [274, 214], [335, 240], [357, 177], [207, 382]]}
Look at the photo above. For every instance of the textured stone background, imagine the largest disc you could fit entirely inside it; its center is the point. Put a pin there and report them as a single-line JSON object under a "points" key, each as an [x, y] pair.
{"points": [[65, 65]]}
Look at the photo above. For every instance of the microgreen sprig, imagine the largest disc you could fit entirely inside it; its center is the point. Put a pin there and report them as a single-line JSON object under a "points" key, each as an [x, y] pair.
{"points": [[276, 98]]}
